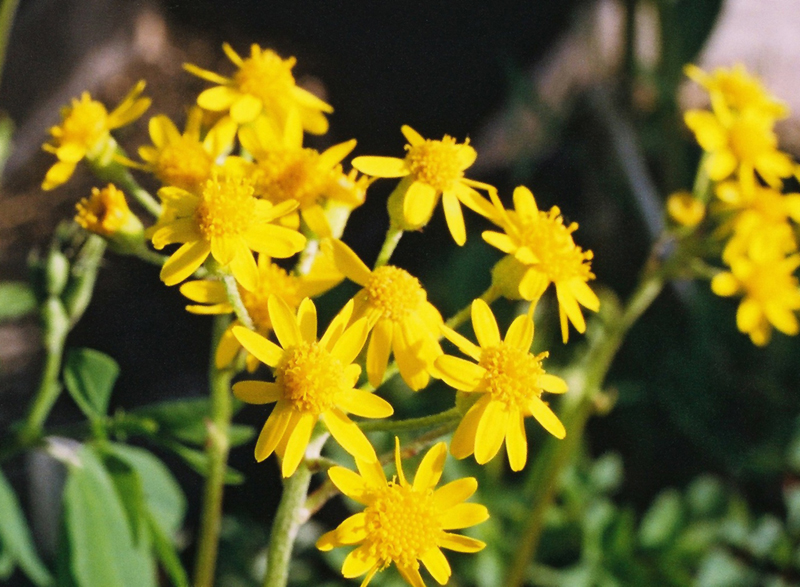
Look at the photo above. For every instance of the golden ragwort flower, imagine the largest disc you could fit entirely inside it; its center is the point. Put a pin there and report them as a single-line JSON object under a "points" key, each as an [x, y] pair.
{"points": [[211, 298], [106, 213], [314, 380], [402, 319], [511, 380], [430, 169], [85, 132], [404, 523], [540, 241], [227, 221], [183, 160], [263, 85]]}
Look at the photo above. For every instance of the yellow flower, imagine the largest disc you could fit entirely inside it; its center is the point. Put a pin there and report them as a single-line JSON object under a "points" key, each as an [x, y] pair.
{"points": [[404, 523], [106, 213], [743, 143], [511, 380], [403, 320], [284, 170], [263, 85], [735, 89], [540, 241], [183, 160], [685, 209], [227, 221], [211, 298], [313, 381], [771, 295], [85, 132], [430, 169]]}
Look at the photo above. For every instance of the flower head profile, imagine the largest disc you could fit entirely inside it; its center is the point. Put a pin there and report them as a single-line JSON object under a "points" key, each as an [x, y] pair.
{"points": [[541, 243], [263, 85], [403, 321], [182, 159], [85, 132], [210, 297], [314, 380], [404, 523], [106, 213], [734, 89], [510, 380], [430, 169], [226, 221]]}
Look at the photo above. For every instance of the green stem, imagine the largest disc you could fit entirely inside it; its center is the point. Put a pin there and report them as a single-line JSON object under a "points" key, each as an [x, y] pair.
{"points": [[235, 298], [217, 448], [556, 455], [106, 168], [393, 236], [411, 424]]}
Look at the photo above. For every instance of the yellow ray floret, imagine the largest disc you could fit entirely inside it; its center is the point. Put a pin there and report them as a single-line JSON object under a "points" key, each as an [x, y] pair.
{"points": [[184, 160], [429, 170], [211, 298], [402, 319], [226, 221], [263, 85], [404, 523], [85, 132], [545, 253], [510, 381], [314, 380]]}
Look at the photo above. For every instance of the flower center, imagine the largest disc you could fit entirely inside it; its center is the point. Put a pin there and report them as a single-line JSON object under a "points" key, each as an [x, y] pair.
{"points": [[266, 76], [512, 374], [273, 280], [226, 207], [559, 257], [436, 163], [86, 122], [401, 525], [183, 163], [295, 174], [311, 378], [750, 137], [104, 212], [394, 291]]}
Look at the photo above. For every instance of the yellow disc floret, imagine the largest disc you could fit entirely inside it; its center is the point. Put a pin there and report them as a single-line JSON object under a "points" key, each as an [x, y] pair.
{"points": [[273, 280], [311, 378], [183, 163], [266, 75], [394, 291], [437, 163], [226, 207], [553, 246], [512, 374], [292, 174], [85, 123]]}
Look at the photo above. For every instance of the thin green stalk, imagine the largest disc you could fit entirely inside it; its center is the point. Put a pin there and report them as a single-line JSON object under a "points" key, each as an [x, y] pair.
{"points": [[411, 424], [7, 11], [217, 448], [556, 455], [107, 168], [393, 236], [235, 298]]}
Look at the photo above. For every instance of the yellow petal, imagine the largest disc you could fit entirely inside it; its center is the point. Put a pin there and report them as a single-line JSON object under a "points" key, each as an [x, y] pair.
{"points": [[257, 392], [297, 443], [316, 220], [182, 230], [184, 262], [227, 349], [273, 430], [381, 166], [307, 320], [460, 374], [412, 136], [463, 442], [491, 432], [358, 562], [337, 326], [410, 575], [430, 468], [454, 218], [327, 541], [720, 164], [351, 342], [57, 175], [245, 108], [284, 322], [520, 333], [349, 483], [724, 284], [205, 291], [265, 351], [460, 543], [484, 324], [218, 98], [454, 492], [348, 262], [348, 435], [163, 131], [275, 241], [464, 515], [220, 138], [407, 353], [224, 248], [569, 304], [516, 441], [709, 132], [365, 404], [542, 412], [309, 100], [436, 563], [205, 74], [584, 294], [475, 202], [499, 240], [380, 346], [552, 384], [533, 284], [244, 268], [464, 345], [418, 203], [334, 155], [352, 530]]}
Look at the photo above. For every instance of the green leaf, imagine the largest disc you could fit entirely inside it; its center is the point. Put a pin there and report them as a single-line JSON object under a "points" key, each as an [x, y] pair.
{"points": [[102, 551], [198, 461], [662, 521], [167, 553], [17, 300], [16, 538], [89, 376], [239, 434], [182, 419]]}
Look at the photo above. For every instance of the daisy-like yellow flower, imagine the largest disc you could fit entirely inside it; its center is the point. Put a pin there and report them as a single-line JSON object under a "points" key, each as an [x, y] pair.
{"points": [[226, 221], [511, 381], [771, 295], [285, 170], [183, 160], [314, 380], [430, 169], [263, 85], [85, 131], [211, 298], [404, 322], [404, 523], [544, 246]]}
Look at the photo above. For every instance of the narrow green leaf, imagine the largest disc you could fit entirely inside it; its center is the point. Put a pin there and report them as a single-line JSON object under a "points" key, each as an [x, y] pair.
{"points": [[7, 562], [181, 419], [167, 553], [198, 461], [89, 376], [16, 538], [17, 300], [101, 546], [239, 434]]}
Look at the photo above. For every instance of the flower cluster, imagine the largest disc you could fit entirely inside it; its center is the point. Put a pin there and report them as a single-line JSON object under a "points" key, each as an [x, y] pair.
{"points": [[756, 220], [241, 197]]}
